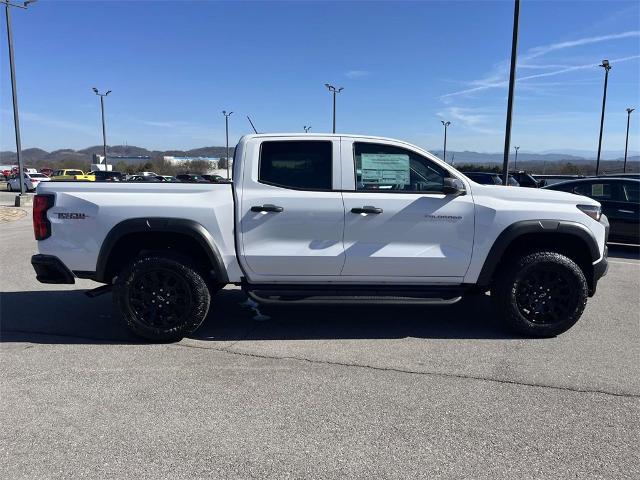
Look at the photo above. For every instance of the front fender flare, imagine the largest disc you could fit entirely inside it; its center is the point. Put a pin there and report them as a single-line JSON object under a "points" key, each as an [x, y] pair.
{"points": [[550, 227]]}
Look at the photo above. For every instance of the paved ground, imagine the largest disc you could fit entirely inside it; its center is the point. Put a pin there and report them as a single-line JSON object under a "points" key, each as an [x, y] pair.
{"points": [[314, 393]]}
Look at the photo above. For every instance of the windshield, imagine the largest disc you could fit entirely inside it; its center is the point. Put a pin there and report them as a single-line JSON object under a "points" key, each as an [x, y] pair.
{"points": [[37, 175]]}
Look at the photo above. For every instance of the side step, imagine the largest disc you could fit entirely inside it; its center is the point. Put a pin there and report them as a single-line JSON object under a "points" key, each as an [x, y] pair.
{"points": [[354, 294]]}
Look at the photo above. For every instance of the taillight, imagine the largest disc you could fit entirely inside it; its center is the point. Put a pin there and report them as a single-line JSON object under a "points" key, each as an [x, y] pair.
{"points": [[41, 224]]}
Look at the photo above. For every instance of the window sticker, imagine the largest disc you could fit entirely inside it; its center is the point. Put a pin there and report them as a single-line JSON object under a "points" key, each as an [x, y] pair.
{"points": [[385, 169], [597, 190]]}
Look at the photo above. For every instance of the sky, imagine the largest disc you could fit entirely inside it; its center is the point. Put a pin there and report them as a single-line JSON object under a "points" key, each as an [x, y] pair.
{"points": [[174, 66]]}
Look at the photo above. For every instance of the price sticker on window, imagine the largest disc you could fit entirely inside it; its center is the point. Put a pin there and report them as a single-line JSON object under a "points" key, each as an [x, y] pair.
{"points": [[385, 169]]}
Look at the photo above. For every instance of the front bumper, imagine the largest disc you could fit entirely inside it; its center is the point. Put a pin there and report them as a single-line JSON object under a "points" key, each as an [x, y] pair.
{"points": [[50, 269]]}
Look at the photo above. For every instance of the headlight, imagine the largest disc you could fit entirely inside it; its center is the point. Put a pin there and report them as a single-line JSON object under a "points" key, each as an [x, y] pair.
{"points": [[591, 210]]}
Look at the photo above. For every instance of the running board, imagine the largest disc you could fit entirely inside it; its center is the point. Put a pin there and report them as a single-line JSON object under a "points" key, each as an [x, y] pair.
{"points": [[353, 294]]}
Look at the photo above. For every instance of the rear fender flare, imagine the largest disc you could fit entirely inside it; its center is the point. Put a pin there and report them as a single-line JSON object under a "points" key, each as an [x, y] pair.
{"points": [[157, 224]]}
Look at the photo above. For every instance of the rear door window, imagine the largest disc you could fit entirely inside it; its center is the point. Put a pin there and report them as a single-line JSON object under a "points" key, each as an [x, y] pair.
{"points": [[296, 164]]}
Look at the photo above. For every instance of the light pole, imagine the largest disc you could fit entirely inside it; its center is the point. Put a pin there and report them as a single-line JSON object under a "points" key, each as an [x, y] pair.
{"points": [[226, 127], [512, 85], [334, 90], [515, 167], [104, 130], [14, 92], [607, 67], [307, 128], [444, 153], [626, 142]]}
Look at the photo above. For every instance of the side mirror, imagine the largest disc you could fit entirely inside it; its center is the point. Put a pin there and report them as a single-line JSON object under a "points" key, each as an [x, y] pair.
{"points": [[453, 186]]}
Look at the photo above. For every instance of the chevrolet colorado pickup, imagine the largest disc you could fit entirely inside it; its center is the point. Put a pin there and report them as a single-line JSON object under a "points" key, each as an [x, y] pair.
{"points": [[324, 219]]}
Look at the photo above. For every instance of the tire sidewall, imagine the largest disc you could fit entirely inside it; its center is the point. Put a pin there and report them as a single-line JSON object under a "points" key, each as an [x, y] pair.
{"points": [[196, 284]]}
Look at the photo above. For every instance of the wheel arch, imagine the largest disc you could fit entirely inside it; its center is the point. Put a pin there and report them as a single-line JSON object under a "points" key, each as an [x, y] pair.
{"points": [[129, 237], [568, 238]]}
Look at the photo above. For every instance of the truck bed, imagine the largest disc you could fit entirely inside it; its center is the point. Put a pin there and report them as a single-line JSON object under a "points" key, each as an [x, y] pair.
{"points": [[105, 205]]}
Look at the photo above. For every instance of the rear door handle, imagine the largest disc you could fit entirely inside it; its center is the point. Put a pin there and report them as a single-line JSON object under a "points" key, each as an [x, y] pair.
{"points": [[267, 208], [366, 209], [625, 211]]}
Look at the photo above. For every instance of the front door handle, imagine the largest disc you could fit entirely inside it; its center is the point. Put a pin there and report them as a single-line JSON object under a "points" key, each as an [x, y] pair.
{"points": [[267, 208], [625, 211], [366, 209]]}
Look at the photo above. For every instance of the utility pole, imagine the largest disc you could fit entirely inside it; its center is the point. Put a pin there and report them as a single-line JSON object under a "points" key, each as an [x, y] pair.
{"points": [[512, 84], [607, 67], [444, 152], [334, 90], [104, 130], [626, 142], [14, 93], [226, 127], [515, 167]]}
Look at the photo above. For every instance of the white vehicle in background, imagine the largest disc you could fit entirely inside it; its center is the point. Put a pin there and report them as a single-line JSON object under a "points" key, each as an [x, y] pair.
{"points": [[322, 218], [31, 181]]}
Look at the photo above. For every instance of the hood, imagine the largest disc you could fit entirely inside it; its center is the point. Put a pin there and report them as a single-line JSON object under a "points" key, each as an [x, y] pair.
{"points": [[525, 194]]}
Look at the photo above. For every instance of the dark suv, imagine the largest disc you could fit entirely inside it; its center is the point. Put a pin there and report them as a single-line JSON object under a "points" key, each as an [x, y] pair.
{"points": [[620, 200]]}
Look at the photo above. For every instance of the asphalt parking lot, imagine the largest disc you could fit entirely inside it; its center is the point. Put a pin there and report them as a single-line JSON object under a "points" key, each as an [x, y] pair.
{"points": [[358, 392]]}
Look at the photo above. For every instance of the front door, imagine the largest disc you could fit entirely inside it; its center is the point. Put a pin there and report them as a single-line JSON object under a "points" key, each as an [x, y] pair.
{"points": [[398, 223], [291, 210]]}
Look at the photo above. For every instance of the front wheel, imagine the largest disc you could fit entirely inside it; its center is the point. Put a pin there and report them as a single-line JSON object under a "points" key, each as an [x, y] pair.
{"points": [[161, 299], [541, 294]]}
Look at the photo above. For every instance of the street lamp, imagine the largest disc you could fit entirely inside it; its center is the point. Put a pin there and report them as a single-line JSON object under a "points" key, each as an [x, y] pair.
{"points": [[626, 143], [14, 92], [607, 67], [307, 128], [226, 127], [444, 153], [104, 131], [515, 167], [512, 86], [334, 90]]}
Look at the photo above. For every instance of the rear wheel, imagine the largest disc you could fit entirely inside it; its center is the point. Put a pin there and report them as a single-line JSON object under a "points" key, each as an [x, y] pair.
{"points": [[162, 299], [541, 294]]}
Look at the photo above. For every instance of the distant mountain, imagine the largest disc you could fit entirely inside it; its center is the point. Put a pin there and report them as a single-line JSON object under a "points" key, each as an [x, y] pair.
{"points": [[84, 156]]}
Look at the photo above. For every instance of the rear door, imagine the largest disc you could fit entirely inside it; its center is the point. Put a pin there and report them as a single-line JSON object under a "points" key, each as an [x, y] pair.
{"points": [[291, 209], [399, 225]]}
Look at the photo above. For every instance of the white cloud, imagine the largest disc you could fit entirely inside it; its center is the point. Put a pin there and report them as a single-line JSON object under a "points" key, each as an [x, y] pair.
{"points": [[498, 79]]}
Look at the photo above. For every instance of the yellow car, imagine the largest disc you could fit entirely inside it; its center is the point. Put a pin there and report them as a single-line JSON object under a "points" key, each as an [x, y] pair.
{"points": [[72, 174]]}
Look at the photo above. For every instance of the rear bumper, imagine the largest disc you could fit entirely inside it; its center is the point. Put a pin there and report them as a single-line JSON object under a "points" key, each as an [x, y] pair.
{"points": [[50, 269]]}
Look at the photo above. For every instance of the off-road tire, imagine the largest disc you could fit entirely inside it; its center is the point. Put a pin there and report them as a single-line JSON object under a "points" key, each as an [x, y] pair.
{"points": [[540, 294], [152, 282]]}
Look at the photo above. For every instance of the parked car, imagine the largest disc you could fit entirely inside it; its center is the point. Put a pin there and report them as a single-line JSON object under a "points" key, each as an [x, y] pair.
{"points": [[332, 219], [147, 174], [490, 178], [169, 178], [620, 200], [214, 178], [106, 176], [71, 174], [525, 179], [145, 178], [30, 180], [191, 178], [46, 171]]}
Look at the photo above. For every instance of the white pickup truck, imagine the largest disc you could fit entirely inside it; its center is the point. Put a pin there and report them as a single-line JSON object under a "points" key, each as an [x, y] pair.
{"points": [[324, 218]]}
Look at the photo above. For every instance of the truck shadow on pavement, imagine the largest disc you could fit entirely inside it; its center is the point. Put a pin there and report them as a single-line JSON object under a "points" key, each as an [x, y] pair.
{"points": [[70, 317]]}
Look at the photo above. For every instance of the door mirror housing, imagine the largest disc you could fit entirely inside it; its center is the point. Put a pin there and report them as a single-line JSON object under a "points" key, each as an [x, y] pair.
{"points": [[453, 186]]}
